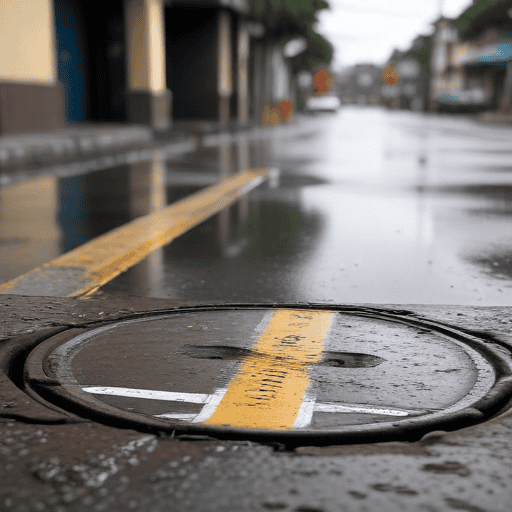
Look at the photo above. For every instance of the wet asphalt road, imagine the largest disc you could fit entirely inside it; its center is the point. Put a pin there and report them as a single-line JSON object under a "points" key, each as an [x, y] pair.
{"points": [[369, 206]]}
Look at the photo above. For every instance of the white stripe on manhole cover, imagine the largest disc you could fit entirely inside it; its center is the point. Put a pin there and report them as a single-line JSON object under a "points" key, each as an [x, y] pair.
{"points": [[272, 369], [303, 419]]}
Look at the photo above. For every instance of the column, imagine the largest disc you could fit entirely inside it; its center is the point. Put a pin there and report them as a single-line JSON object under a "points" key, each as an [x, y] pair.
{"points": [[149, 101], [224, 78], [243, 75]]}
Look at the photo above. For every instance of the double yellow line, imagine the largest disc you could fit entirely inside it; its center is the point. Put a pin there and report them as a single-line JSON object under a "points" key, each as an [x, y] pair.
{"points": [[83, 270]]}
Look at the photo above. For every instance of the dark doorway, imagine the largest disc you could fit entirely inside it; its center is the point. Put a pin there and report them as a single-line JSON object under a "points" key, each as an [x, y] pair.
{"points": [[91, 59], [191, 61], [108, 63], [71, 59]]}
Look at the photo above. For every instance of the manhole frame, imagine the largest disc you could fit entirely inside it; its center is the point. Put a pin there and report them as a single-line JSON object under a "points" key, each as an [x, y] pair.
{"points": [[42, 383]]}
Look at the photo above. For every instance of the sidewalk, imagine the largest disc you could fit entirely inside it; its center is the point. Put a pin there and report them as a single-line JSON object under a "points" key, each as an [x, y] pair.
{"points": [[74, 142], [495, 117], [84, 141]]}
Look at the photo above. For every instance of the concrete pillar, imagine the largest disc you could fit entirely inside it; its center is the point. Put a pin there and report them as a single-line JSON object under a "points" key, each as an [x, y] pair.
{"points": [[281, 75], [31, 98], [224, 74], [243, 75], [149, 101], [257, 56], [265, 84]]}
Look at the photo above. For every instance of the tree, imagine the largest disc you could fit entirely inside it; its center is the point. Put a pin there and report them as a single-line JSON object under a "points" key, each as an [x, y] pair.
{"points": [[477, 17], [284, 18], [319, 51], [422, 49]]}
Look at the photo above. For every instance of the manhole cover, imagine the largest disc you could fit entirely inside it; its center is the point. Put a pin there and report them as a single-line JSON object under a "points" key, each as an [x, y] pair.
{"points": [[286, 372]]}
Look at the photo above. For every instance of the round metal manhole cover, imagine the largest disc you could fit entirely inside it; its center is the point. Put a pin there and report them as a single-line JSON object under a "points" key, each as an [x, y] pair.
{"points": [[288, 372]]}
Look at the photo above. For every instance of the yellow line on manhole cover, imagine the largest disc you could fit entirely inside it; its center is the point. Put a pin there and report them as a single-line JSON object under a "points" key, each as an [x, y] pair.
{"points": [[271, 385]]}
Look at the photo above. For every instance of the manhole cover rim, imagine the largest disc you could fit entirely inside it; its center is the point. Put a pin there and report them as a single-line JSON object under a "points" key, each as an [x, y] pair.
{"points": [[50, 386]]}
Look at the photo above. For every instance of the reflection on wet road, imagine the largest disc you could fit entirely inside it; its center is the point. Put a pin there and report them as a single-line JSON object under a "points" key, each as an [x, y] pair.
{"points": [[369, 206]]}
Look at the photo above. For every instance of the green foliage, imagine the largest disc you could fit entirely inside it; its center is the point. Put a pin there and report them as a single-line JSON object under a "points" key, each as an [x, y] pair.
{"points": [[319, 51], [473, 14], [423, 50], [284, 19], [287, 17]]}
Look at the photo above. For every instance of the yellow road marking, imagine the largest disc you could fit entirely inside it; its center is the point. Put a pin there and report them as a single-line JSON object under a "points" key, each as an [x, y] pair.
{"points": [[267, 391], [93, 264]]}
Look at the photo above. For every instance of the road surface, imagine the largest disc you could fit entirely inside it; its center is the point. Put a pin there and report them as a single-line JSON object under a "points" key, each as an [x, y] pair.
{"points": [[363, 213], [366, 205]]}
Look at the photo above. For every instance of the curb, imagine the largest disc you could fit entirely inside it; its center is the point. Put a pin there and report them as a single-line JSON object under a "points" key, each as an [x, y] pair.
{"points": [[42, 150]]}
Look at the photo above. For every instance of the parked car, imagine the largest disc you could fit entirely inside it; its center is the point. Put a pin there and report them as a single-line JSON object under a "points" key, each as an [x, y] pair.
{"points": [[464, 100], [327, 103]]}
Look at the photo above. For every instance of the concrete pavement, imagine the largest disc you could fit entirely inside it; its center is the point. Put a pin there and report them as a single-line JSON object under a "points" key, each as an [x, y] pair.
{"points": [[57, 461]]}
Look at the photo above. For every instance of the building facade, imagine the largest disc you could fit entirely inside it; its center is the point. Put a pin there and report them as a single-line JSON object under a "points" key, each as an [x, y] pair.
{"points": [[136, 61], [471, 59]]}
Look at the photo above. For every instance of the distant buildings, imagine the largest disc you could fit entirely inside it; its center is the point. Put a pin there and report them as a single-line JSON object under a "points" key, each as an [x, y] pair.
{"points": [[465, 65], [468, 68], [367, 84], [361, 85]]}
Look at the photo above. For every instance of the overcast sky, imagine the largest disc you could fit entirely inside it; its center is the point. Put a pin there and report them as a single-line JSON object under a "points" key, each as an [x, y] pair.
{"points": [[369, 30]]}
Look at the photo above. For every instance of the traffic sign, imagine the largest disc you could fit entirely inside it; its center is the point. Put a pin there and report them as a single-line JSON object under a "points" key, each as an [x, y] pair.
{"points": [[390, 75], [255, 371], [322, 80]]}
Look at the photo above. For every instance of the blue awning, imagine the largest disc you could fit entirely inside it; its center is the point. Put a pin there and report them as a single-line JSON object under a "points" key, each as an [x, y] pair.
{"points": [[492, 55]]}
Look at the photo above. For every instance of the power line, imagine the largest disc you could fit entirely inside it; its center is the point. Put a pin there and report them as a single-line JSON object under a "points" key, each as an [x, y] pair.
{"points": [[372, 10]]}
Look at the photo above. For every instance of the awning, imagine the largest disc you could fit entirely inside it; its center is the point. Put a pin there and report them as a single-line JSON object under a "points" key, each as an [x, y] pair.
{"points": [[491, 54]]}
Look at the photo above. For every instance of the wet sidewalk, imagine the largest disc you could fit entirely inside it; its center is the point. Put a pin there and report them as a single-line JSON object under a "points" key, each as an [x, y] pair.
{"points": [[89, 140], [73, 142]]}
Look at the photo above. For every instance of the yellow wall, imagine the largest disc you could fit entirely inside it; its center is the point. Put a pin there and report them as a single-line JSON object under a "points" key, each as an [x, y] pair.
{"points": [[461, 52], [145, 45], [27, 41], [452, 83]]}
